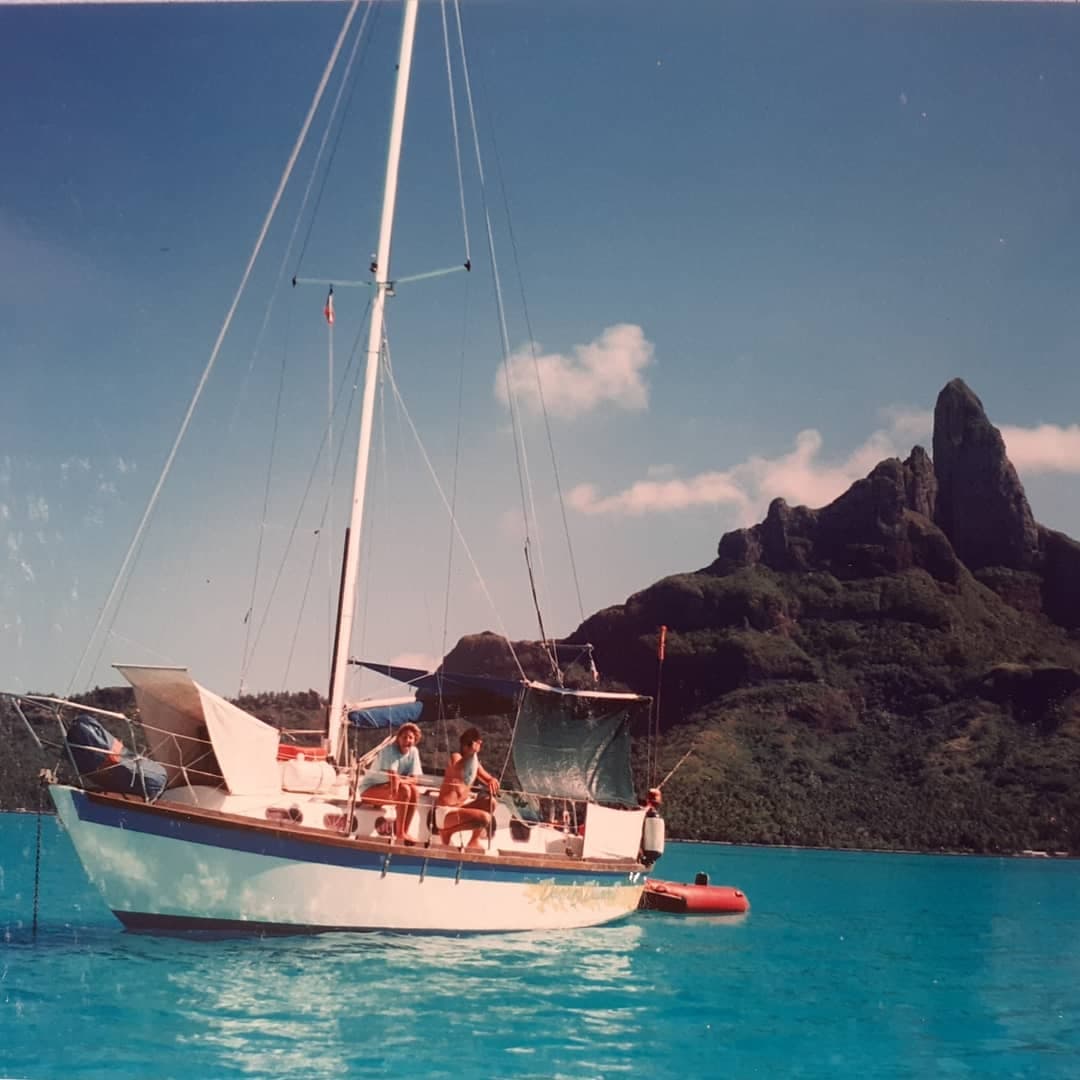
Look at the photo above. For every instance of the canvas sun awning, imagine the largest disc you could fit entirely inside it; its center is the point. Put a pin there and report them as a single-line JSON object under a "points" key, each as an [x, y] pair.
{"points": [[385, 713], [179, 716]]}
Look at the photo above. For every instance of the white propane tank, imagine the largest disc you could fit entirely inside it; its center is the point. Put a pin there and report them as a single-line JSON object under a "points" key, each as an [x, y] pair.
{"points": [[652, 838]]}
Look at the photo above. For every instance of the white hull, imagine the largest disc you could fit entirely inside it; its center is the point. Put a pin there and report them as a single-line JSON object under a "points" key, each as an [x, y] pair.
{"points": [[191, 869]]}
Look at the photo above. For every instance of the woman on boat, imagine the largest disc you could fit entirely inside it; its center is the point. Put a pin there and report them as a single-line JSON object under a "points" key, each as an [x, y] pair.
{"points": [[400, 761], [456, 810]]}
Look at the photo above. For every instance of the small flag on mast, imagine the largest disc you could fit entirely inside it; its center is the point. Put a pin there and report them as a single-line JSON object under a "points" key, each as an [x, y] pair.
{"points": [[661, 646], [328, 311]]}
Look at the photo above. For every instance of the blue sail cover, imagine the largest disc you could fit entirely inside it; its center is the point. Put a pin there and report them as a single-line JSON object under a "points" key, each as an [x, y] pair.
{"points": [[103, 761], [471, 695], [387, 716], [568, 744]]}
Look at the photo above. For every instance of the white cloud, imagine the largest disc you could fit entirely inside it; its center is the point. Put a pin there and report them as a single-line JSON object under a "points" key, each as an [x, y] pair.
{"points": [[802, 477], [911, 423], [37, 508], [1044, 449], [799, 476], [659, 496], [609, 370], [5, 512]]}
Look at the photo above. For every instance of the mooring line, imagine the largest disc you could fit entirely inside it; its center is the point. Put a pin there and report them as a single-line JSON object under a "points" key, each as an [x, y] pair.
{"points": [[37, 863]]}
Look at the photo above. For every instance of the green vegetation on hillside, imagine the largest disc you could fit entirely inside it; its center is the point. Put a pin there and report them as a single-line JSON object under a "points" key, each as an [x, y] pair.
{"points": [[888, 712]]}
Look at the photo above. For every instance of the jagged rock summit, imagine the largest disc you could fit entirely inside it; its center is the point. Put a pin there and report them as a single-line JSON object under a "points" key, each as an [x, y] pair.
{"points": [[879, 525], [966, 508]]}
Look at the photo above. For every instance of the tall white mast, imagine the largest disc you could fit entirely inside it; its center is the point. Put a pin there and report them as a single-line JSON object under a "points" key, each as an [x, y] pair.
{"points": [[349, 572]]}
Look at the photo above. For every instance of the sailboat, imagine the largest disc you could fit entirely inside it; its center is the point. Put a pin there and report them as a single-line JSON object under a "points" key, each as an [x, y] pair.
{"points": [[209, 825]]}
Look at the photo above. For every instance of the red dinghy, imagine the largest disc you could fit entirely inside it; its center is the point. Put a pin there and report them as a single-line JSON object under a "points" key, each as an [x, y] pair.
{"points": [[701, 898]]}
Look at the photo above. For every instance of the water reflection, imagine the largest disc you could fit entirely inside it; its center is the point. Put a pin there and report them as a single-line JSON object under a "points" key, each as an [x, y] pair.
{"points": [[330, 1005]]}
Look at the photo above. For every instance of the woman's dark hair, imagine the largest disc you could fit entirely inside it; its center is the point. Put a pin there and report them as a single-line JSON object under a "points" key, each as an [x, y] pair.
{"points": [[469, 736]]}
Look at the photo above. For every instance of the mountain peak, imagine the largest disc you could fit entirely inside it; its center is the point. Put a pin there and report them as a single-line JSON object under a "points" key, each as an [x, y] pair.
{"points": [[981, 506], [964, 509]]}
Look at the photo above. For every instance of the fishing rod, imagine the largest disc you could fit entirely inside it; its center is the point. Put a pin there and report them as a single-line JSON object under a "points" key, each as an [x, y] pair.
{"points": [[678, 765], [653, 741]]}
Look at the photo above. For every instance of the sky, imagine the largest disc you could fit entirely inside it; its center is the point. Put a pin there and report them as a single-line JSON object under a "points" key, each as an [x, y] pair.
{"points": [[742, 245]]}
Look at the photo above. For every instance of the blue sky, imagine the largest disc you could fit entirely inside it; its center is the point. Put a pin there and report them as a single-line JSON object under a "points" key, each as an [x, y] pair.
{"points": [[754, 240]]}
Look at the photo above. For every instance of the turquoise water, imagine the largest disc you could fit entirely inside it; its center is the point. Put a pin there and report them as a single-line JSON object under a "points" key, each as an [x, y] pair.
{"points": [[849, 964]]}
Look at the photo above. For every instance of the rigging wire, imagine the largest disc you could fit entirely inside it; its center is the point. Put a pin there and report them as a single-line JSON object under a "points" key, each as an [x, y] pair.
{"points": [[314, 172], [354, 352], [109, 629], [453, 492], [333, 464], [186, 422], [520, 453], [536, 372], [454, 125], [371, 509], [245, 656], [330, 590], [373, 520], [446, 503], [549, 645], [346, 79], [303, 603], [461, 364]]}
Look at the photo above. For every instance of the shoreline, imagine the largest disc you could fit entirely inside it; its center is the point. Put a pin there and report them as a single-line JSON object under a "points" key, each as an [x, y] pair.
{"points": [[1027, 854]]}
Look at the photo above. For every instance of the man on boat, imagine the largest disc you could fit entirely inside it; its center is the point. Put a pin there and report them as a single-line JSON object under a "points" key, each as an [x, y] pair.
{"points": [[456, 810], [400, 761]]}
